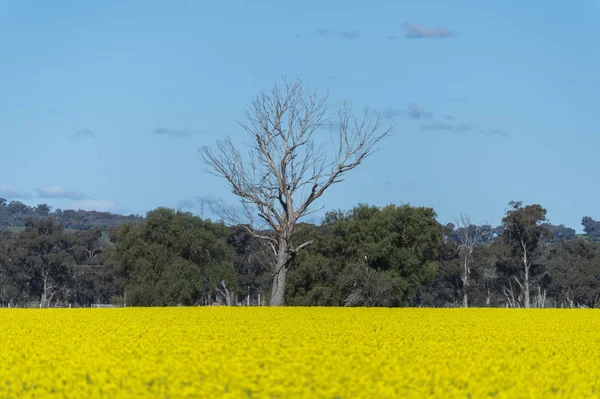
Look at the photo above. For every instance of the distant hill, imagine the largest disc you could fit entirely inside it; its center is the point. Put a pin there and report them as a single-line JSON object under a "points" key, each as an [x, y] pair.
{"points": [[14, 214]]}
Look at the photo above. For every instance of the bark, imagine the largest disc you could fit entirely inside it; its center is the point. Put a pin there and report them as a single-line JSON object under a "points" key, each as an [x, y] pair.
{"points": [[278, 290], [465, 281], [279, 277], [526, 282], [468, 239], [44, 297], [541, 298], [227, 294]]}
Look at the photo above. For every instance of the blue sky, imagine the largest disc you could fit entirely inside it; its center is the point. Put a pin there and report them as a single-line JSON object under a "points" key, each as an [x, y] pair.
{"points": [[103, 105]]}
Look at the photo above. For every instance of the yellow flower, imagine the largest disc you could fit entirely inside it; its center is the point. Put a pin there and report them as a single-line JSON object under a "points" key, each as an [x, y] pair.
{"points": [[299, 353]]}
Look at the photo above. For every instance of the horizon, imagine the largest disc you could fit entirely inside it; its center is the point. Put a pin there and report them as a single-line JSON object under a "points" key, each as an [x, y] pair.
{"points": [[105, 105]]}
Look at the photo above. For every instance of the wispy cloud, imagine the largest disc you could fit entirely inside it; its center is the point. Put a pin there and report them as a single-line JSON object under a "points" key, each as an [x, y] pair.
{"points": [[458, 100], [349, 35], [97, 205], [494, 132], [164, 131], [9, 192], [449, 127], [186, 204], [59, 192], [412, 111], [415, 111], [418, 31], [391, 113], [84, 133], [330, 126], [203, 206], [460, 128]]}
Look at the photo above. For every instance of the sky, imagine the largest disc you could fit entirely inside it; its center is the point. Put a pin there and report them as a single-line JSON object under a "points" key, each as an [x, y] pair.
{"points": [[103, 105]]}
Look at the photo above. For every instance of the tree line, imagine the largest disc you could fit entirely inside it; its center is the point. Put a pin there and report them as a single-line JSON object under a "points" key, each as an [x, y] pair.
{"points": [[299, 147], [15, 213], [369, 256]]}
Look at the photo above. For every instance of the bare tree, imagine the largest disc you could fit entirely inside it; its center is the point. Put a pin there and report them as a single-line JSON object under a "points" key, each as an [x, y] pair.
{"points": [[468, 236], [224, 291], [290, 164]]}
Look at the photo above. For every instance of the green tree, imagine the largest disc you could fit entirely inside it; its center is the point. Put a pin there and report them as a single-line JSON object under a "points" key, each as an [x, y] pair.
{"points": [[12, 284], [252, 263], [445, 290], [46, 259], [591, 228], [575, 271], [370, 257], [175, 258], [315, 279], [97, 275], [524, 229]]}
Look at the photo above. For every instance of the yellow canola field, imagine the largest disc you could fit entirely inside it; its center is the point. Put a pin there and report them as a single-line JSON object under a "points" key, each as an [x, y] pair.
{"points": [[299, 352]]}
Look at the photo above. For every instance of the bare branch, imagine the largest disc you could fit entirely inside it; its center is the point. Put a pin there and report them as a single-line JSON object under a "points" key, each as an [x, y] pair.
{"points": [[289, 164], [303, 245]]}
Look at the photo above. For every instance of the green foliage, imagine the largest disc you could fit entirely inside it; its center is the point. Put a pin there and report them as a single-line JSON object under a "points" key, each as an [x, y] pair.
{"points": [[252, 262], [574, 267], [524, 228], [174, 258], [591, 228], [117, 300], [400, 240], [15, 214], [445, 289], [369, 287], [45, 250], [369, 256]]}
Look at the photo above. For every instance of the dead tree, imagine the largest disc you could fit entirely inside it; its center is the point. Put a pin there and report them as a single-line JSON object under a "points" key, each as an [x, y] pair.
{"points": [[468, 236], [224, 291], [291, 164]]}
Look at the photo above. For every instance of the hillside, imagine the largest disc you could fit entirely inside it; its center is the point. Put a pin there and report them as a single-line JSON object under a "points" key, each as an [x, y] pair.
{"points": [[14, 214]]}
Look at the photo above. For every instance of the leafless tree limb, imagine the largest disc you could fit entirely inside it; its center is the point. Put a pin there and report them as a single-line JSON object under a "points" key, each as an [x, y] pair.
{"points": [[468, 238], [289, 164]]}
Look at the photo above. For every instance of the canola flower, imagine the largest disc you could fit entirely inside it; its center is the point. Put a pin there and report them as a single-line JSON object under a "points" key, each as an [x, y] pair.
{"points": [[299, 353]]}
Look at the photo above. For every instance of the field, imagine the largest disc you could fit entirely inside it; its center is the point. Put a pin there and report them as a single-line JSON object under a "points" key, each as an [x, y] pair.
{"points": [[299, 352]]}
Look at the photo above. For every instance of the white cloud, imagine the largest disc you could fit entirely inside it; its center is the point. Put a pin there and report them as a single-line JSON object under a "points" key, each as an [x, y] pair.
{"points": [[418, 31], [96, 205], [59, 192], [164, 131]]}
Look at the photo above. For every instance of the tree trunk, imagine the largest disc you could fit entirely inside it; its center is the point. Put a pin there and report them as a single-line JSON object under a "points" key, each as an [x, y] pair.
{"points": [[278, 290], [44, 292], [526, 286], [281, 269], [465, 281], [228, 295], [526, 283]]}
